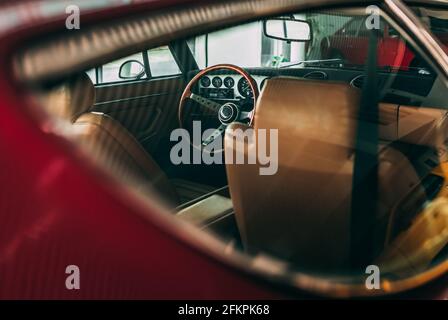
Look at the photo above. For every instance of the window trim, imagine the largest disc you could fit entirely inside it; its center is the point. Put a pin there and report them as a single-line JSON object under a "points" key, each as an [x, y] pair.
{"points": [[146, 64], [117, 83]]}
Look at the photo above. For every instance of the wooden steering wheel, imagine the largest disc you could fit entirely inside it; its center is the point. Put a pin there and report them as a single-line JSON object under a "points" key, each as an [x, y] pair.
{"points": [[227, 112]]}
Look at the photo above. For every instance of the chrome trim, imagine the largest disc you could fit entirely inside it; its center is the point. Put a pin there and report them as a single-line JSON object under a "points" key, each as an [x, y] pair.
{"points": [[352, 82]]}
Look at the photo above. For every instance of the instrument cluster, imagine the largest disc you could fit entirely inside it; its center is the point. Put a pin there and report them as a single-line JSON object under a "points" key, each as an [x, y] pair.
{"points": [[227, 87]]}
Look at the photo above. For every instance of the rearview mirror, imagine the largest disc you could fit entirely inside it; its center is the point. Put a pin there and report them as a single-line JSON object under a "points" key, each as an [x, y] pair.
{"points": [[131, 69], [287, 29]]}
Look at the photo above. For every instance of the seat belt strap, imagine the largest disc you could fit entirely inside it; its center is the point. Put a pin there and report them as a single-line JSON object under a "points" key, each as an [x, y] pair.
{"points": [[365, 171]]}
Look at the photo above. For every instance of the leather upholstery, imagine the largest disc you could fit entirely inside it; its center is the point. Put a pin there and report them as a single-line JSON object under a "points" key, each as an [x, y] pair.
{"points": [[423, 126], [413, 125], [302, 213], [105, 139], [112, 145], [72, 99]]}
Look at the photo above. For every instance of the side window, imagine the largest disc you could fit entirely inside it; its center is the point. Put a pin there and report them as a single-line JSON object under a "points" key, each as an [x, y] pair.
{"points": [[111, 70], [365, 32], [162, 63], [134, 67], [352, 27], [393, 33]]}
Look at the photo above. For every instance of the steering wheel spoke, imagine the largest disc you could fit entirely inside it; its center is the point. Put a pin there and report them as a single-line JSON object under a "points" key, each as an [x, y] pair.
{"points": [[207, 103], [217, 133]]}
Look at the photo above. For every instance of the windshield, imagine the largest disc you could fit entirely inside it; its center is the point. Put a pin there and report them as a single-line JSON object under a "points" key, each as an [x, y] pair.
{"points": [[339, 39]]}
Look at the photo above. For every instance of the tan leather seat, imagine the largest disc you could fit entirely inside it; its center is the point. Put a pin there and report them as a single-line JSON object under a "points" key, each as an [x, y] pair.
{"points": [[424, 127], [104, 138], [302, 213]]}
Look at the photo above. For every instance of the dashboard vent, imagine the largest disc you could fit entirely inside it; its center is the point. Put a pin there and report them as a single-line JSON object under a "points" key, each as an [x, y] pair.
{"points": [[357, 82], [316, 75]]}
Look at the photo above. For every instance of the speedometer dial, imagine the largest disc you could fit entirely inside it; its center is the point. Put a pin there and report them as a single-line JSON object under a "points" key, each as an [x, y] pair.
{"points": [[244, 88]]}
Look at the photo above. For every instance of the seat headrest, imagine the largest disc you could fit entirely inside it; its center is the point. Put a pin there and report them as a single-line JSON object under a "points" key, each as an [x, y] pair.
{"points": [[71, 99], [321, 111]]}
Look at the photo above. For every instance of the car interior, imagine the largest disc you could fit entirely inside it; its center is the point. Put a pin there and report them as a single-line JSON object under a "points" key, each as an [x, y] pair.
{"points": [[122, 114]]}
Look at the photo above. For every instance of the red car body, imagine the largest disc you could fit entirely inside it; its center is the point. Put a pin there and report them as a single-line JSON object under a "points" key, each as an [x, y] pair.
{"points": [[55, 209]]}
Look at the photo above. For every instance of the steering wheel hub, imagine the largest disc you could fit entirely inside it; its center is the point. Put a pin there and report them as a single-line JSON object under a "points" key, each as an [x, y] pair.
{"points": [[228, 113]]}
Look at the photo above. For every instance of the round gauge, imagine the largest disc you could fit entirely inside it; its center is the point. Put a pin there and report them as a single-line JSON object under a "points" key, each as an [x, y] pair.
{"points": [[205, 82], [217, 82], [229, 82], [244, 88]]}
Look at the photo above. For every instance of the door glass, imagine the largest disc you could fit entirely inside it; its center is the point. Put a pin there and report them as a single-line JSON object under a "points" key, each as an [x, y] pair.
{"points": [[297, 219], [162, 63]]}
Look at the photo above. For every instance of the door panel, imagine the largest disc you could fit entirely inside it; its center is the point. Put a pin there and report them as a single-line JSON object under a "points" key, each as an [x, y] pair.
{"points": [[146, 108]]}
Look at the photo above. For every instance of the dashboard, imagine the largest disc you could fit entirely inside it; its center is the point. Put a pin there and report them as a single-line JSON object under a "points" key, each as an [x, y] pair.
{"points": [[403, 88]]}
